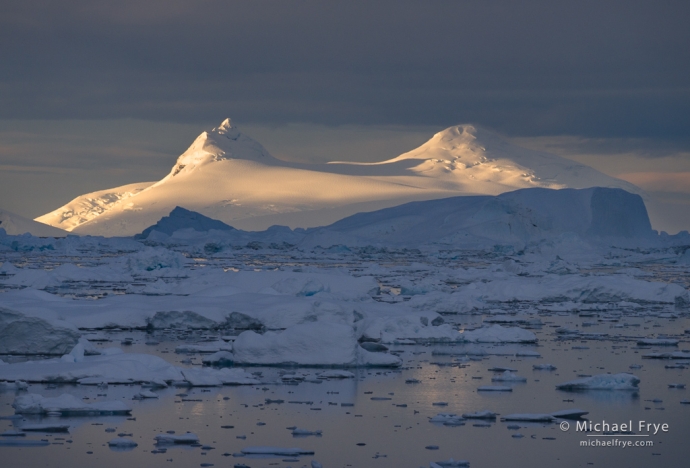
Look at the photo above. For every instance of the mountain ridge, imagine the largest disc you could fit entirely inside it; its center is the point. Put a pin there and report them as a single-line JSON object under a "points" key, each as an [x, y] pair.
{"points": [[226, 175]]}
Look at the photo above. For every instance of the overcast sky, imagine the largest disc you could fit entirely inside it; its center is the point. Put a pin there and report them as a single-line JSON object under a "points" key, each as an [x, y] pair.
{"points": [[99, 94]]}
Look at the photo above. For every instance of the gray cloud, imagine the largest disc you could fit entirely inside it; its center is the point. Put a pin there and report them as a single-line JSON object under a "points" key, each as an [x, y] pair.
{"points": [[604, 68]]}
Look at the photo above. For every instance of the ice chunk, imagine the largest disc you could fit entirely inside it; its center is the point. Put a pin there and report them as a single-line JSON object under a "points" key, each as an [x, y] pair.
{"points": [[569, 414], [221, 358], [622, 381], [122, 442], [672, 355], [532, 417], [278, 451], [47, 427], [145, 394], [186, 438], [20, 334], [499, 334], [66, 405], [305, 432], [494, 388], [310, 344], [546, 367], [336, 374], [374, 347], [450, 463], [508, 376], [657, 342], [444, 418], [480, 415]]}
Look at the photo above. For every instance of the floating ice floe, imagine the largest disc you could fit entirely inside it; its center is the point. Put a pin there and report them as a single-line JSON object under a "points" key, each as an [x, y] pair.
{"points": [[450, 463], [144, 395], [508, 376], [186, 438], [277, 451], [672, 355], [657, 342], [622, 381], [499, 334], [374, 347], [305, 432], [480, 415], [546, 367], [529, 417], [569, 414], [66, 405], [450, 419], [122, 442], [310, 344], [335, 374], [494, 388], [47, 427]]}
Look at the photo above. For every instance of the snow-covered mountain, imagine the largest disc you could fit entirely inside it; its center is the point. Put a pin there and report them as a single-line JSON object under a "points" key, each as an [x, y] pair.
{"points": [[230, 177], [13, 224]]}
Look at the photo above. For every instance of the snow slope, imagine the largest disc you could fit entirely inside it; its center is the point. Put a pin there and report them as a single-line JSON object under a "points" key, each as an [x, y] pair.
{"points": [[228, 176], [14, 224]]}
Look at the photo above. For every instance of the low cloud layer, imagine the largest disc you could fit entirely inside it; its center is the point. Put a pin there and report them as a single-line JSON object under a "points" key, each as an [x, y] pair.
{"points": [[596, 68]]}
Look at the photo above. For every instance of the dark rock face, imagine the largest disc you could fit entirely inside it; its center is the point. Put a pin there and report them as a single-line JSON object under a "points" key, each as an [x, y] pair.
{"points": [[180, 218]]}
